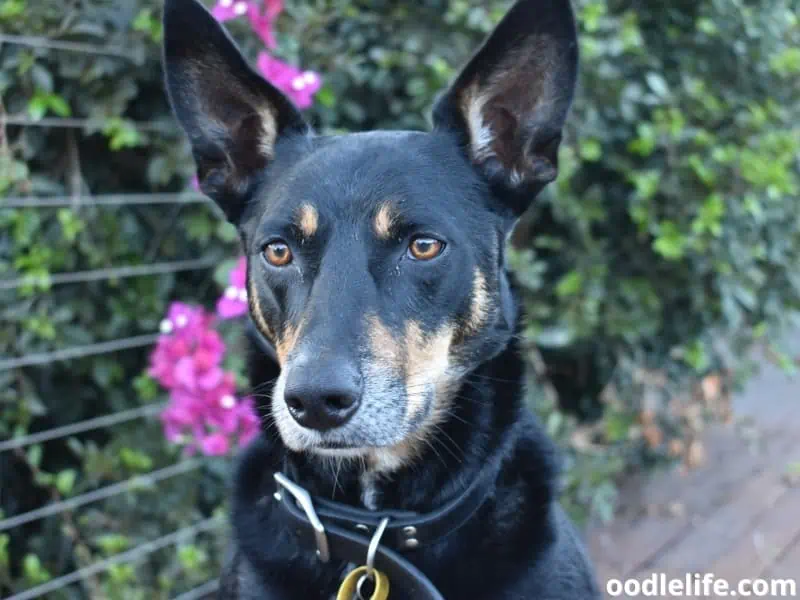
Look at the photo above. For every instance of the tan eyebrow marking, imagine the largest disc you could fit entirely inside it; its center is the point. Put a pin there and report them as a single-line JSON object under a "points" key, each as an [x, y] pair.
{"points": [[308, 220], [385, 219]]}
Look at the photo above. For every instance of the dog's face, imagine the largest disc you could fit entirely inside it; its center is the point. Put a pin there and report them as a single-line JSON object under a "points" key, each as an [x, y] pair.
{"points": [[375, 260], [375, 269]]}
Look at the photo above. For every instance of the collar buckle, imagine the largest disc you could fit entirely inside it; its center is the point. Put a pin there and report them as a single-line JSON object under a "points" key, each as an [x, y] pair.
{"points": [[303, 499]]}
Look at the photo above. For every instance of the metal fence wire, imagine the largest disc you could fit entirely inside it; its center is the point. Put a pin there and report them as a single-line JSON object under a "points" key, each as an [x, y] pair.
{"points": [[57, 509]]}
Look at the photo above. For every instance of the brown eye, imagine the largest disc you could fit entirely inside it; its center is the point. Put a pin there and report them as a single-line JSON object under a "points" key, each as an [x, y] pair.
{"points": [[425, 248], [278, 254]]}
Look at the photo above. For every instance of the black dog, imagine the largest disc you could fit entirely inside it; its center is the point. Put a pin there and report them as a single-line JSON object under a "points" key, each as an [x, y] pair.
{"points": [[376, 275]]}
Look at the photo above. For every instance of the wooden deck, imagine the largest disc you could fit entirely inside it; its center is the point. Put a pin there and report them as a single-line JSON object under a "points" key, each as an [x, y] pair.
{"points": [[738, 516]]}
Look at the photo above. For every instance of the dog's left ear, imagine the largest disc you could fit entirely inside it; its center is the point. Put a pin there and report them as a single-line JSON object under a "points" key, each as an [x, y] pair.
{"points": [[509, 104], [234, 118]]}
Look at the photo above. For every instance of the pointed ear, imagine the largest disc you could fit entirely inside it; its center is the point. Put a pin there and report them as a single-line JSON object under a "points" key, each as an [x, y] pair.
{"points": [[233, 117], [509, 104]]}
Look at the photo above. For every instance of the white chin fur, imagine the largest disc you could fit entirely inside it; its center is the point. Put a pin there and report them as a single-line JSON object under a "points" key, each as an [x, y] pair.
{"points": [[341, 452]]}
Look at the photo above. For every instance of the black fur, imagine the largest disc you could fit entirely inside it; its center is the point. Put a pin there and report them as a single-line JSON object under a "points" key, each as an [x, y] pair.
{"points": [[261, 162]]}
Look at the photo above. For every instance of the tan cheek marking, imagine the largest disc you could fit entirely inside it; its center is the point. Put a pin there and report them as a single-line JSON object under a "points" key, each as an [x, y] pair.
{"points": [[384, 221], [255, 310], [479, 310], [385, 350], [308, 220], [424, 359], [287, 341], [427, 362]]}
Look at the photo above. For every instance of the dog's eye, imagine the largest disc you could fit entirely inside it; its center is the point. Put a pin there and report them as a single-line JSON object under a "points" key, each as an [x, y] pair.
{"points": [[425, 248], [278, 254]]}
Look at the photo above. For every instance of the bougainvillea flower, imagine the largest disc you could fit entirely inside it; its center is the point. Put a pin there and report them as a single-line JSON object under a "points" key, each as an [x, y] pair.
{"points": [[233, 302], [189, 353], [203, 413], [215, 444], [263, 22], [249, 423], [184, 319], [225, 10], [300, 86]]}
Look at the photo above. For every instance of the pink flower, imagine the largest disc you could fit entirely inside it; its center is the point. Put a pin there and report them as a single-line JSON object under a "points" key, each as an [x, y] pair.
{"points": [[216, 444], [203, 412], [221, 407], [177, 418], [249, 421], [225, 10], [262, 23], [189, 352], [233, 302], [300, 86], [189, 375], [184, 318]]}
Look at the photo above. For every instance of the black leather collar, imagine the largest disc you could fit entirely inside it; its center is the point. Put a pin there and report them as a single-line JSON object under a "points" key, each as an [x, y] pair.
{"points": [[342, 532]]}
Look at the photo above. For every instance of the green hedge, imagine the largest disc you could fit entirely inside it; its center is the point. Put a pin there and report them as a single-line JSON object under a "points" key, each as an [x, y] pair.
{"points": [[671, 236]]}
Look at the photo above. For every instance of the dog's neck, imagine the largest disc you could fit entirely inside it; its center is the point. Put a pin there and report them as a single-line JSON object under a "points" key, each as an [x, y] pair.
{"points": [[469, 443]]}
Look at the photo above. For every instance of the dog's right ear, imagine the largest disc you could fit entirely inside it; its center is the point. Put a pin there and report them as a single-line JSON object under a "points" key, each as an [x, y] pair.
{"points": [[509, 103], [233, 117]]}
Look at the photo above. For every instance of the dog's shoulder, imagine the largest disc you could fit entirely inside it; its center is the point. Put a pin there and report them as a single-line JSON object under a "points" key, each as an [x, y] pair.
{"points": [[239, 581]]}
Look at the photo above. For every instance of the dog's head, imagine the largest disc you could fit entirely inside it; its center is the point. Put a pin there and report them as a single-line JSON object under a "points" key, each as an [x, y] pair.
{"points": [[375, 260]]}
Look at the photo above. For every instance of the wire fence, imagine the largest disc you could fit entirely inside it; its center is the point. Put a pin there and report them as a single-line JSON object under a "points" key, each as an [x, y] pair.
{"points": [[67, 46], [90, 124], [61, 508], [130, 556], [113, 200]]}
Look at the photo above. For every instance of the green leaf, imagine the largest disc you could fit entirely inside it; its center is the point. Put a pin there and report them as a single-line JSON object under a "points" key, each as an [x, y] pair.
{"points": [[11, 8], [200, 227], [112, 543], [33, 570], [146, 387], [191, 557], [58, 105], [34, 455], [227, 232], [591, 150], [37, 107], [325, 97], [135, 460], [570, 285], [4, 540], [707, 26], [786, 63], [670, 243], [65, 481]]}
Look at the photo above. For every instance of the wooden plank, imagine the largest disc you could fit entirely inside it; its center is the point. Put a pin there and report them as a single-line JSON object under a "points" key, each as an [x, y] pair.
{"points": [[788, 566], [631, 544], [757, 550], [696, 551]]}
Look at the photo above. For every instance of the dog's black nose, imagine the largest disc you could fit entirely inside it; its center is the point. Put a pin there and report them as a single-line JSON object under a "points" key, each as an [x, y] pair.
{"points": [[322, 397]]}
